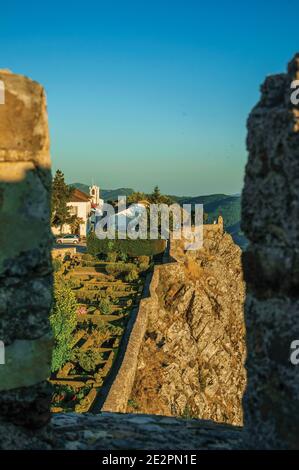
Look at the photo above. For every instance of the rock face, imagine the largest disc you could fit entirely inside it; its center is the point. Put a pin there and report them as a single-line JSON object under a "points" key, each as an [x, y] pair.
{"points": [[191, 359], [270, 220], [25, 243]]}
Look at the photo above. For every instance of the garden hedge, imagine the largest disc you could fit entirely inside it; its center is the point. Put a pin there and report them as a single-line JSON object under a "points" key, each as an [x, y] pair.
{"points": [[130, 247]]}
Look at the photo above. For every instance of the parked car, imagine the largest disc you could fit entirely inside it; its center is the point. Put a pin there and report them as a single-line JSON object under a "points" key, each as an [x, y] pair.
{"points": [[68, 239]]}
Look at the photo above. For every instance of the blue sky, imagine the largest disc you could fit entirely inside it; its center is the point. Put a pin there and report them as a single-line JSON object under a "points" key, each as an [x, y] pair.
{"points": [[150, 92]]}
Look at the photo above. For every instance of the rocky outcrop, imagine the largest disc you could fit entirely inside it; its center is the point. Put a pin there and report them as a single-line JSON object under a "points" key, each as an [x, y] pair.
{"points": [[25, 243], [270, 220], [191, 359]]}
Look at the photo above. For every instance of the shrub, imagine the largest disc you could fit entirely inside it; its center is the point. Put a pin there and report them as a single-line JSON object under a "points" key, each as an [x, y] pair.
{"points": [[112, 256], [105, 306], [123, 257], [120, 268], [88, 260], [143, 268], [87, 257], [57, 265], [114, 269], [133, 404], [143, 263], [144, 260], [75, 283], [88, 360], [63, 320], [132, 275]]}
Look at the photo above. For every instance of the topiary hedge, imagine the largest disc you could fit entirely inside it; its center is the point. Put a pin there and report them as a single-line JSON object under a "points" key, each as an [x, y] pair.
{"points": [[129, 247], [119, 268]]}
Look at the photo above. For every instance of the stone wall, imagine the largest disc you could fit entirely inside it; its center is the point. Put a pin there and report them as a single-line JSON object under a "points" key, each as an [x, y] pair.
{"points": [[120, 391], [119, 431], [270, 220], [25, 243]]}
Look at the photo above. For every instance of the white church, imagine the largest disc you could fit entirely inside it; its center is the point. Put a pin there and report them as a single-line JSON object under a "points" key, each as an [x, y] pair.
{"points": [[82, 205]]}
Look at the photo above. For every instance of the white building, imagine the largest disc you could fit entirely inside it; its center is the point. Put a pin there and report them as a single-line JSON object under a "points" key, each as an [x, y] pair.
{"points": [[80, 206]]}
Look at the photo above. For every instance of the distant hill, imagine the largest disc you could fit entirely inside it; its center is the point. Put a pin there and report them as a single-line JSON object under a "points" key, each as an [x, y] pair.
{"points": [[106, 194], [81, 186], [221, 204], [112, 194], [214, 205]]}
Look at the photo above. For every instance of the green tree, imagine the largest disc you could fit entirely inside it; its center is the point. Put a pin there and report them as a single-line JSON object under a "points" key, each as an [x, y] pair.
{"points": [[156, 195], [136, 197], [61, 195], [75, 223], [157, 198], [63, 320]]}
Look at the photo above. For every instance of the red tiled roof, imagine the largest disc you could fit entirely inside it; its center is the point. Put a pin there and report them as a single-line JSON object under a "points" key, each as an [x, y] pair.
{"points": [[79, 196]]}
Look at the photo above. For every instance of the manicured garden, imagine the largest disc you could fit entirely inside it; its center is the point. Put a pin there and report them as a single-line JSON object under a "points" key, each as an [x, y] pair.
{"points": [[94, 295]]}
